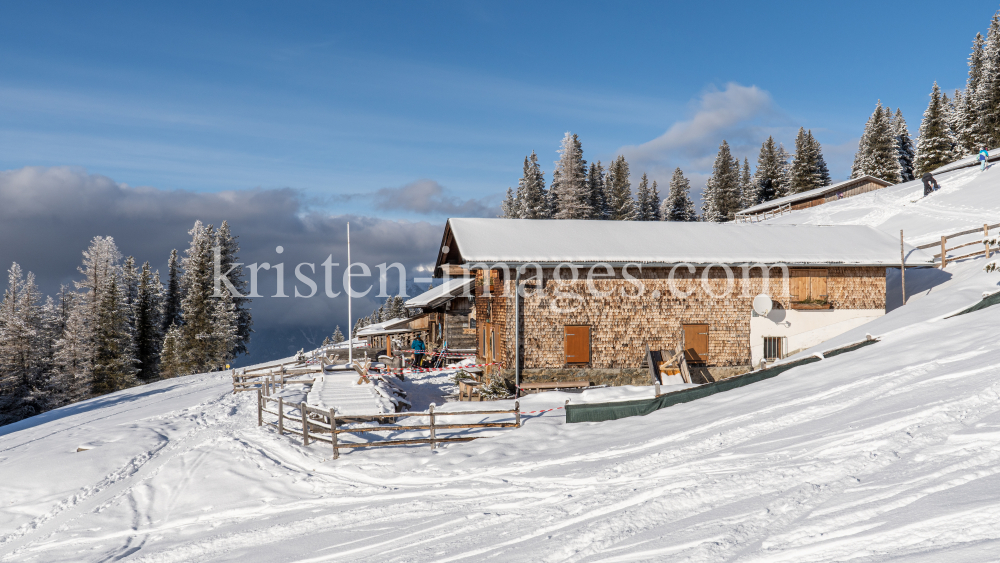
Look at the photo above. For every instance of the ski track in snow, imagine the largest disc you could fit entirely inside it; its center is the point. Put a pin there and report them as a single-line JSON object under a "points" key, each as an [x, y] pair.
{"points": [[890, 452]]}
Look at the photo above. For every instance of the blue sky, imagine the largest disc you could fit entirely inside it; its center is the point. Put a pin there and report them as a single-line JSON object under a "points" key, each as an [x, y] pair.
{"points": [[340, 100]]}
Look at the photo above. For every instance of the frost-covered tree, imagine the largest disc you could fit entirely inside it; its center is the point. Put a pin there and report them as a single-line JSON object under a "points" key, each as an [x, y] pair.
{"points": [[644, 200], [967, 129], [808, 169], [934, 143], [148, 309], [656, 202], [22, 364], [510, 208], [569, 192], [595, 186], [197, 308], [114, 355], [338, 336], [678, 205], [173, 295], [877, 154], [171, 358], [987, 94], [767, 179], [621, 206], [229, 250], [905, 151], [722, 197], [534, 198]]}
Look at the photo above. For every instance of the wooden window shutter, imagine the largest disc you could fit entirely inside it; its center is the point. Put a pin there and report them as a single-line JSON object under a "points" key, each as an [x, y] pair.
{"points": [[577, 344], [798, 285], [818, 285]]}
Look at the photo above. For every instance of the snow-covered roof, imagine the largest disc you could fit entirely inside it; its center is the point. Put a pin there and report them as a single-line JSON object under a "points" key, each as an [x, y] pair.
{"points": [[804, 196], [443, 293], [526, 241], [384, 327]]}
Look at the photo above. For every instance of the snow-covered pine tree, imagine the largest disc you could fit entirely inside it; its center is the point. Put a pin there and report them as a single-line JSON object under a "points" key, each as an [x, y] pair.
{"points": [[968, 134], [621, 206], [510, 209], [678, 205], [75, 348], [822, 170], [229, 250], [174, 293], [881, 159], [114, 355], [784, 179], [338, 336], [568, 193], [21, 362], [148, 326], [803, 164], [934, 144], [655, 203], [722, 197], [130, 287], [171, 358], [766, 176], [643, 200], [595, 186], [535, 201], [987, 102], [400, 307], [746, 184], [904, 146], [195, 346], [225, 331], [326, 342]]}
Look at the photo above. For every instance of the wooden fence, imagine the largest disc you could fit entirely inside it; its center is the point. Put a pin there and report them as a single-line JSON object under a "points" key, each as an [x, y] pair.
{"points": [[943, 257], [764, 215], [319, 425]]}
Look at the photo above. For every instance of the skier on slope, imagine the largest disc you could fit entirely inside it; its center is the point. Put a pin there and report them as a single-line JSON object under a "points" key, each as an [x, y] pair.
{"points": [[984, 155], [930, 184]]}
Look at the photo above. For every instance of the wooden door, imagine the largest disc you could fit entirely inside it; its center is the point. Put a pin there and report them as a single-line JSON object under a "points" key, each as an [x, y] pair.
{"points": [[696, 342], [577, 344]]}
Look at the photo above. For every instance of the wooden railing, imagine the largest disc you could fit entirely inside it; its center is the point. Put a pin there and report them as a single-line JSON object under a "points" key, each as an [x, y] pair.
{"points": [[943, 255], [765, 215], [248, 380], [319, 425]]}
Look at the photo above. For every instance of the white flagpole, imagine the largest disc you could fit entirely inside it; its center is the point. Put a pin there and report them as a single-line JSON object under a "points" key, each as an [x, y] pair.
{"points": [[350, 325]]}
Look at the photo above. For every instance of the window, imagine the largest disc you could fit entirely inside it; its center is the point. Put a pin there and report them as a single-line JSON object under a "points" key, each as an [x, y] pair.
{"points": [[808, 285], [774, 348], [577, 344]]}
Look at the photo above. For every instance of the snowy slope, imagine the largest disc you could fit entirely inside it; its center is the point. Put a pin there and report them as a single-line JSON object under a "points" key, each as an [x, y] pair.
{"points": [[888, 453]]}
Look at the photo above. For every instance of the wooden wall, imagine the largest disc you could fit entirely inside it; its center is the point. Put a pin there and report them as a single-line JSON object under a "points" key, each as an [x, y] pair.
{"points": [[623, 323]]}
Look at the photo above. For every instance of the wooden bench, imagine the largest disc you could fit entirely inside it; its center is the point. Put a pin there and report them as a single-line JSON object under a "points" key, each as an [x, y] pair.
{"points": [[554, 386], [466, 388]]}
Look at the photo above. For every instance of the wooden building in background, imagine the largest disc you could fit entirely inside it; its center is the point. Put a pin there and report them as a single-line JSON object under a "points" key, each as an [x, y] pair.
{"points": [[811, 198]]}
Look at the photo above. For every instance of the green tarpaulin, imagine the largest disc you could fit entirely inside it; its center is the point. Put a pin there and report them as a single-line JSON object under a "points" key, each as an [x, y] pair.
{"points": [[599, 412], [986, 302]]}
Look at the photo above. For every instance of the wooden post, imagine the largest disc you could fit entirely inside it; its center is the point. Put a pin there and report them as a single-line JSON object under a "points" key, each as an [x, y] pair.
{"points": [[333, 434], [902, 265], [305, 424], [986, 243], [433, 434], [260, 408], [944, 249], [517, 413], [281, 417]]}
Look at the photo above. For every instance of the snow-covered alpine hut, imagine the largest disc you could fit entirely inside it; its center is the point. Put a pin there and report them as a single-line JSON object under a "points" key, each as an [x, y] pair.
{"points": [[812, 198], [447, 313], [662, 283]]}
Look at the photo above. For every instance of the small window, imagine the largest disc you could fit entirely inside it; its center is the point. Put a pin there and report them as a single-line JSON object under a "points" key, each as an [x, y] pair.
{"points": [[774, 348], [577, 344]]}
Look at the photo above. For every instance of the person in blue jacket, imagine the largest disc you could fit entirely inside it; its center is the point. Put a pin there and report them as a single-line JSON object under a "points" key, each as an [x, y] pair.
{"points": [[984, 155], [418, 351]]}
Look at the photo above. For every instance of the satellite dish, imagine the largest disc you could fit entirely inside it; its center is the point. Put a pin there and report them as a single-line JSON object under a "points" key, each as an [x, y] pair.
{"points": [[762, 305]]}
